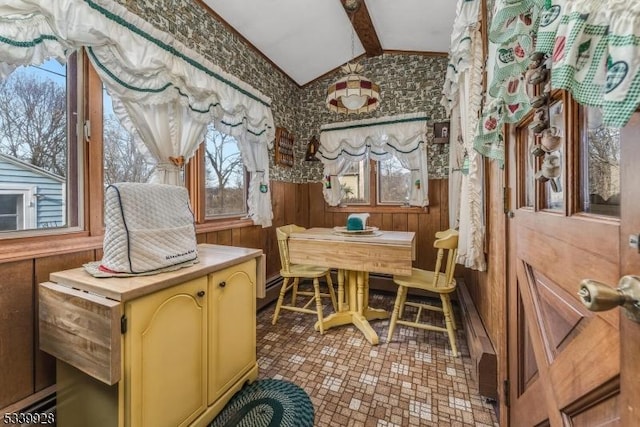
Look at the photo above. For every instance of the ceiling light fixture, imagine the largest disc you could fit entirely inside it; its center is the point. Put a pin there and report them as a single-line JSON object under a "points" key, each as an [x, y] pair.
{"points": [[353, 93]]}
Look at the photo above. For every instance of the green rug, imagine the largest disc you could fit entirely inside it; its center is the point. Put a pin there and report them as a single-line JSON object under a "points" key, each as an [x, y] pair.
{"points": [[267, 403]]}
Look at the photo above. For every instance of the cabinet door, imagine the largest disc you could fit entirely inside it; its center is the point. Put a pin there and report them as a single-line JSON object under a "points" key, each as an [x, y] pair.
{"points": [[232, 331], [166, 356]]}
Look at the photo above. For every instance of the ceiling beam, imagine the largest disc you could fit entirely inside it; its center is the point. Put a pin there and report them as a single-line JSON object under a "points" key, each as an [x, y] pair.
{"points": [[363, 27]]}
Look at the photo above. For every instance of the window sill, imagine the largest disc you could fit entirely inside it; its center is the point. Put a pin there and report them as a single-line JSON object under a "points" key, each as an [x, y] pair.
{"points": [[223, 224], [377, 209], [42, 246]]}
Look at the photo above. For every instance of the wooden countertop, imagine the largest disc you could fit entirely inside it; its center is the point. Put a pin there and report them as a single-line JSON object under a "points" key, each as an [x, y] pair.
{"points": [[210, 258]]}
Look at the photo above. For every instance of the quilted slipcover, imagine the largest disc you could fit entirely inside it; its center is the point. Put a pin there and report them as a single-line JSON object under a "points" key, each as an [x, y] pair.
{"points": [[147, 227]]}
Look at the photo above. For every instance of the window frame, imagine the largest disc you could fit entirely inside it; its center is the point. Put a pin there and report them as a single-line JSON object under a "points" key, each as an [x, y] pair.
{"points": [[374, 205], [572, 174], [73, 191], [377, 187], [202, 196]]}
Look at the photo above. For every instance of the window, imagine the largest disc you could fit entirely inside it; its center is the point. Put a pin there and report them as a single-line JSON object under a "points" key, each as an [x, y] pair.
{"points": [[354, 183], [15, 212], [388, 180], [225, 177], [600, 166], [394, 182], [39, 158], [554, 160]]}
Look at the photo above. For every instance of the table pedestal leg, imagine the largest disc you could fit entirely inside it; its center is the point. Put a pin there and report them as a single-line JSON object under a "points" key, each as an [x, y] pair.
{"points": [[356, 310]]}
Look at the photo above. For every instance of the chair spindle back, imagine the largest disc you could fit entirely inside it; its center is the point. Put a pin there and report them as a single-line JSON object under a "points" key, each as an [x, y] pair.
{"points": [[282, 233], [445, 241]]}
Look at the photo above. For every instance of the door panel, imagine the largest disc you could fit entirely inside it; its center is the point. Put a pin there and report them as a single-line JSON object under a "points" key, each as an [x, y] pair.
{"points": [[630, 264], [166, 356], [564, 360]]}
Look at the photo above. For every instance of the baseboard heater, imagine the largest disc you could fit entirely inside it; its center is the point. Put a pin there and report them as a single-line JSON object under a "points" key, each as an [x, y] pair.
{"points": [[483, 355]]}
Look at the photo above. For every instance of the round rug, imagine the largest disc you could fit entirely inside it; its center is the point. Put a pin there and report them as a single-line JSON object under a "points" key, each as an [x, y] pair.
{"points": [[267, 403]]}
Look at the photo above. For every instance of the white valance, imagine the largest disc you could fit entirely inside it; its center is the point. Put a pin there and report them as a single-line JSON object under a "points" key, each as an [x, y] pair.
{"points": [[134, 60], [402, 136], [143, 68]]}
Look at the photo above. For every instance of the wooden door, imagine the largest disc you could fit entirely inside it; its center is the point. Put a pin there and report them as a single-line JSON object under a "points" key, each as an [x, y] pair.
{"points": [[565, 362], [630, 264]]}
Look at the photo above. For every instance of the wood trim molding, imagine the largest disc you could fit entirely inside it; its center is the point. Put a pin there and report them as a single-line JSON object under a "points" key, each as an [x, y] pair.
{"points": [[94, 155], [221, 225], [23, 404], [195, 178], [415, 52], [378, 209], [21, 249]]}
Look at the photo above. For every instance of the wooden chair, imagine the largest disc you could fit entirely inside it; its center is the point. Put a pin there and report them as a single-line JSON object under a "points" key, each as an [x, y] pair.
{"points": [[298, 272], [437, 281]]}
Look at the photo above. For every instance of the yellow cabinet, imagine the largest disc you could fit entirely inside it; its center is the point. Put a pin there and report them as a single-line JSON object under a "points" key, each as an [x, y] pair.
{"points": [[166, 350], [165, 356], [232, 333]]}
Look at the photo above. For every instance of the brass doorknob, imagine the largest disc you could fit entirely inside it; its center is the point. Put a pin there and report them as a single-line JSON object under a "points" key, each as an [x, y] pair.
{"points": [[597, 296]]}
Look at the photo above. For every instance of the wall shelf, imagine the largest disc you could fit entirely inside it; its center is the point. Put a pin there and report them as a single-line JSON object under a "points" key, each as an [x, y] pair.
{"points": [[284, 147]]}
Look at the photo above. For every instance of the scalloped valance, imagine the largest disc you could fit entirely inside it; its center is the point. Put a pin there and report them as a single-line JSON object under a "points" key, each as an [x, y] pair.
{"points": [[135, 60], [402, 136], [377, 138]]}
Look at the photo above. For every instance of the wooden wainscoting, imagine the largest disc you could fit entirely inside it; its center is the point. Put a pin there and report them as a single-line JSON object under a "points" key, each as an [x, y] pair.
{"points": [[24, 369]]}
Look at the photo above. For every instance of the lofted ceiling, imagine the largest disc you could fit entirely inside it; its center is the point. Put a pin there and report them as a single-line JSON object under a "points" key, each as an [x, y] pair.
{"points": [[309, 38]]}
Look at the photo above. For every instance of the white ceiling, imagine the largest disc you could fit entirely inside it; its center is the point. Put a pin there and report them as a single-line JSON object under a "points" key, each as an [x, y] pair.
{"points": [[308, 38]]}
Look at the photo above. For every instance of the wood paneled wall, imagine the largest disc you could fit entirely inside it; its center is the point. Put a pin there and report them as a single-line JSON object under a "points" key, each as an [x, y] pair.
{"points": [[25, 370], [488, 289]]}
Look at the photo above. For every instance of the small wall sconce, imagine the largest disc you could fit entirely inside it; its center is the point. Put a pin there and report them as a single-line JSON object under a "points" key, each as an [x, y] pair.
{"points": [[441, 132], [312, 149]]}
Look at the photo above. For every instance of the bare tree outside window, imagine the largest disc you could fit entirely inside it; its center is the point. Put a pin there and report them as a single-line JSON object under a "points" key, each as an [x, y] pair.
{"points": [[600, 166], [33, 121], [394, 182], [226, 193]]}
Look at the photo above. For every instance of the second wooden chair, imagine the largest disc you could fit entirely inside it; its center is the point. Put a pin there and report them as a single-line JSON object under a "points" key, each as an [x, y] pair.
{"points": [[298, 272], [439, 281]]}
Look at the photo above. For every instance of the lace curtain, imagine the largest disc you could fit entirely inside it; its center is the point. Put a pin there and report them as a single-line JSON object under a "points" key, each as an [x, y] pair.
{"points": [[462, 94], [402, 136], [163, 92]]}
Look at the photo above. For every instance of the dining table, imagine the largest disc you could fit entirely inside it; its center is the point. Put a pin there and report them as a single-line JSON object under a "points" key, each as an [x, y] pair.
{"points": [[355, 254]]}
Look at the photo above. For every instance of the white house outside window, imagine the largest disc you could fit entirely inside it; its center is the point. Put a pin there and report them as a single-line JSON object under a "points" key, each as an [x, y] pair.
{"points": [[36, 146], [17, 208]]}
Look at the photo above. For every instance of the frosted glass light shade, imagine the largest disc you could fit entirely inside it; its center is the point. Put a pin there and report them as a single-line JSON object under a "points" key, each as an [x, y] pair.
{"points": [[354, 102]]}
